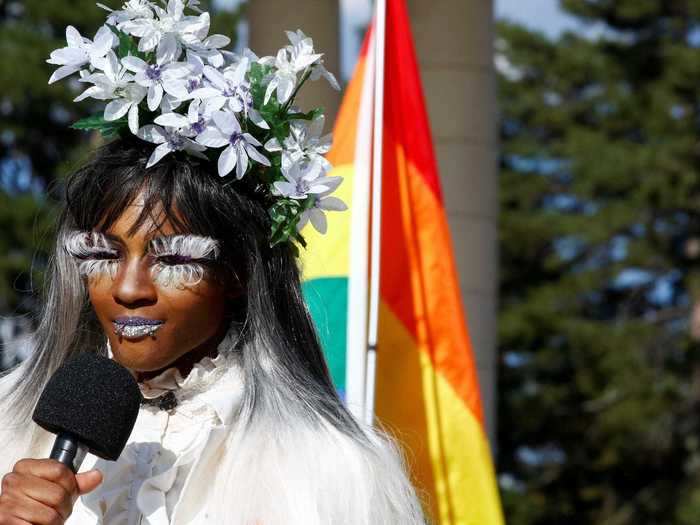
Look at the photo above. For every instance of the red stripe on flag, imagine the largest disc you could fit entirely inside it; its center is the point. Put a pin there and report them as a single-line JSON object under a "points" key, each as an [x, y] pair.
{"points": [[405, 117]]}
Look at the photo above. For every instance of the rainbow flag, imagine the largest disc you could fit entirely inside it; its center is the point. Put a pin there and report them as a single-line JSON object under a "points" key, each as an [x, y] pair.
{"points": [[427, 390]]}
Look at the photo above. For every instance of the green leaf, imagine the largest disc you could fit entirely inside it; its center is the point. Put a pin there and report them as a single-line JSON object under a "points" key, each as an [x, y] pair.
{"points": [[106, 128]]}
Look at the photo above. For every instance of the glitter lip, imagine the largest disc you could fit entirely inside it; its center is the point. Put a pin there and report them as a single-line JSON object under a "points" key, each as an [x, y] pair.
{"points": [[135, 331]]}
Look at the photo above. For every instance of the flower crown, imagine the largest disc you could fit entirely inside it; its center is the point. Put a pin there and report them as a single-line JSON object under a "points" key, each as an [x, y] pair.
{"points": [[157, 65]]}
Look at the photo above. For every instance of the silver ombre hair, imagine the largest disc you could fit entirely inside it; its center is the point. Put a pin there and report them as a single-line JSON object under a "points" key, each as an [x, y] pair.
{"points": [[294, 455]]}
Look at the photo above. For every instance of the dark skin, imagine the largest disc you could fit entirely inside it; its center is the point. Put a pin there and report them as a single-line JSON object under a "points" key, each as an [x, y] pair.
{"points": [[43, 491]]}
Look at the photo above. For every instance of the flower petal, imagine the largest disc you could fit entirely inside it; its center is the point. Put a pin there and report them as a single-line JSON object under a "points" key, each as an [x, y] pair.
{"points": [[273, 145], [205, 93], [212, 138], [270, 89], [174, 120], [68, 55], [215, 77], [152, 133], [256, 118], [332, 203], [226, 122], [285, 88], [134, 119], [89, 92], [73, 37], [242, 165], [256, 156], [167, 49], [285, 188], [318, 220], [227, 161], [150, 40], [155, 94], [160, 152], [134, 64], [303, 219], [250, 139], [116, 109], [216, 41], [63, 72]]}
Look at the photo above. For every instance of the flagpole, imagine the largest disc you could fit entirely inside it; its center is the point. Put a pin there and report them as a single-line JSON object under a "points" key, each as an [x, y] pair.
{"points": [[377, 159]]}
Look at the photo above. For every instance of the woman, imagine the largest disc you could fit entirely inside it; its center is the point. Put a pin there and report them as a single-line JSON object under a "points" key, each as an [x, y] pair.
{"points": [[241, 423]]}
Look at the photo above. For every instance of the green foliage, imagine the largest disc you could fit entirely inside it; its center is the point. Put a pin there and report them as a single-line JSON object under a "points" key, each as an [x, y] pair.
{"points": [[600, 269]]}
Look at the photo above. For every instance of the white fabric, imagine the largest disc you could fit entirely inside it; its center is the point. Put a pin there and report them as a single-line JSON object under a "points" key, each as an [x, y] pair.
{"points": [[161, 477]]}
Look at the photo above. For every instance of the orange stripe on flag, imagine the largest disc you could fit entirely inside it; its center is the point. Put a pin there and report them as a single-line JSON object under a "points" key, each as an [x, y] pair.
{"points": [[345, 131]]}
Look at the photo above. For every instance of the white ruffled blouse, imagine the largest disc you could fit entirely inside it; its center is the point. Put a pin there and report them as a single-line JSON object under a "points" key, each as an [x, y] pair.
{"points": [[161, 476]]}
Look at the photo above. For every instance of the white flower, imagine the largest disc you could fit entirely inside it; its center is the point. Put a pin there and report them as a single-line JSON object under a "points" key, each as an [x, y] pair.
{"points": [[304, 142], [168, 31], [181, 88], [130, 10], [108, 83], [240, 146], [230, 89], [169, 140], [116, 84], [289, 61], [303, 179], [156, 77], [318, 70], [81, 51], [210, 48], [227, 89], [322, 203], [190, 125]]}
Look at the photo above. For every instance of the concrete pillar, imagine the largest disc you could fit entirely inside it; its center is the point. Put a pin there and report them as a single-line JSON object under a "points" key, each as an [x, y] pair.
{"points": [[319, 19], [454, 41]]}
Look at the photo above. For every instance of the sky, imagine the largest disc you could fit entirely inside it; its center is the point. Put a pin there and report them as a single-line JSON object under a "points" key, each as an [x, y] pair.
{"points": [[543, 15]]}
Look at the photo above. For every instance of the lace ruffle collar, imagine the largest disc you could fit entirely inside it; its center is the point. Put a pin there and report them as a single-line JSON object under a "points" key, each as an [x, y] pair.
{"points": [[204, 373]]}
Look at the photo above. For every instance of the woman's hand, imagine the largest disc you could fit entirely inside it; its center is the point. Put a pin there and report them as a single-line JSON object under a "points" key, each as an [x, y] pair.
{"points": [[42, 492]]}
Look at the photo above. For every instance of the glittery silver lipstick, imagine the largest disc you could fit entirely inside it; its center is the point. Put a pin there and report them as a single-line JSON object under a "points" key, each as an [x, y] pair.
{"points": [[136, 329]]}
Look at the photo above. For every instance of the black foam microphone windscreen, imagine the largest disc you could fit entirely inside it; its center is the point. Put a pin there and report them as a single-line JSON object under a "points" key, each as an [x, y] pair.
{"points": [[92, 401]]}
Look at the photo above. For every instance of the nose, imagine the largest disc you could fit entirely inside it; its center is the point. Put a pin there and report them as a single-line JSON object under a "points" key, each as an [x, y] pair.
{"points": [[133, 285]]}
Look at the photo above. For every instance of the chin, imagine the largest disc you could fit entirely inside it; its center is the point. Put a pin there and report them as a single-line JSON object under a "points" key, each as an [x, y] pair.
{"points": [[139, 357]]}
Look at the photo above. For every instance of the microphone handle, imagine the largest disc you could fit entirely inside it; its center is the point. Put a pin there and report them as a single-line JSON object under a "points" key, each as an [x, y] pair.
{"points": [[69, 451]]}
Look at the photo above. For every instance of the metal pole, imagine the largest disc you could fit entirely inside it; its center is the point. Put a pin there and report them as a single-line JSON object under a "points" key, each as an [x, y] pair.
{"points": [[380, 48]]}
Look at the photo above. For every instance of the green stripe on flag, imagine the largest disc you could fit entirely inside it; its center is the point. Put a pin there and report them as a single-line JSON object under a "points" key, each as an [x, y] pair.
{"points": [[327, 299]]}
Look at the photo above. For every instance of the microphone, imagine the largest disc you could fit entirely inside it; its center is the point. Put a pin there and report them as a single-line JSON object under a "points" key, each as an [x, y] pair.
{"points": [[91, 403]]}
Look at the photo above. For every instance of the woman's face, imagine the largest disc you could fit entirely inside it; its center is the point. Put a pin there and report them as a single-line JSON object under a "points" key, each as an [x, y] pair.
{"points": [[149, 279]]}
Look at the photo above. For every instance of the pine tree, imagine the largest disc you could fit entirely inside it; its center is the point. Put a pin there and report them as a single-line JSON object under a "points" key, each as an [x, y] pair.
{"points": [[37, 148], [600, 280]]}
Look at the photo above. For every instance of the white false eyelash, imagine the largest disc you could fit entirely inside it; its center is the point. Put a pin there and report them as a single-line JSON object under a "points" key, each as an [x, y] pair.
{"points": [[83, 245], [182, 275], [94, 267], [193, 246]]}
